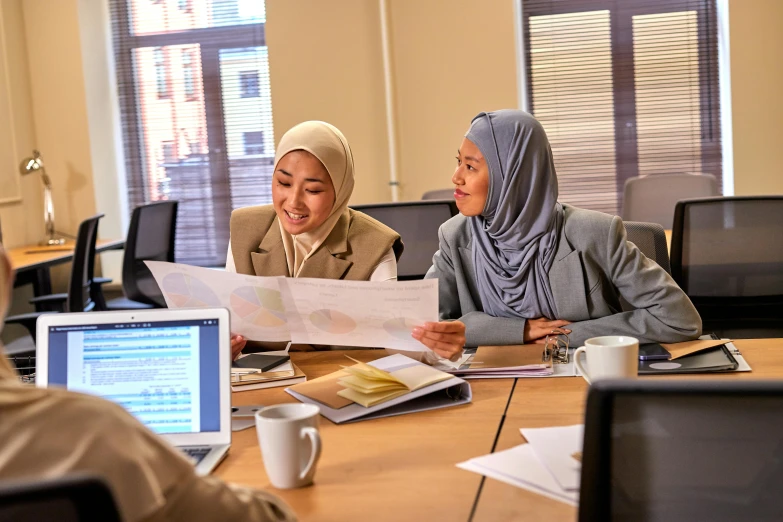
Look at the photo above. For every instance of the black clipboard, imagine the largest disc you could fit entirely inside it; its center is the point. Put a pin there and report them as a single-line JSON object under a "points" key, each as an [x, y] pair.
{"points": [[718, 359]]}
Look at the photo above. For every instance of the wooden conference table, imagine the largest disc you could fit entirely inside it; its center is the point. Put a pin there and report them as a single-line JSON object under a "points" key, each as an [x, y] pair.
{"points": [[403, 468], [32, 262]]}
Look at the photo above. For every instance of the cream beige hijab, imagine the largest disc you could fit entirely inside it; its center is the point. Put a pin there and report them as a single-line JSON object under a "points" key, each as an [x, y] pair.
{"points": [[327, 143]]}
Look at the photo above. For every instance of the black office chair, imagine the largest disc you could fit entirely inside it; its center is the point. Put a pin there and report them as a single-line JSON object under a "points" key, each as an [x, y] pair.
{"points": [[151, 237], [682, 451], [78, 298], [417, 222], [727, 255], [77, 498]]}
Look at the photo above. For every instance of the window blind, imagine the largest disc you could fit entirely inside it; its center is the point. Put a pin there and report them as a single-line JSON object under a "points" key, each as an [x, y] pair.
{"points": [[196, 109], [623, 88]]}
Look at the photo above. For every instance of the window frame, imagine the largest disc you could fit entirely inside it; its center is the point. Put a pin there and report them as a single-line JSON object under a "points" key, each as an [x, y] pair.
{"points": [[621, 14], [210, 41], [249, 93]]}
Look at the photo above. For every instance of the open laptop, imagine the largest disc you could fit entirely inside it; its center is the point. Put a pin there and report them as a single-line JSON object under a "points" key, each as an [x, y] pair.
{"points": [[169, 368]]}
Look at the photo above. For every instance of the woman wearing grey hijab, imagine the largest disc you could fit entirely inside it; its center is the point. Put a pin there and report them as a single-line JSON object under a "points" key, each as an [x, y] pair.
{"points": [[516, 263]]}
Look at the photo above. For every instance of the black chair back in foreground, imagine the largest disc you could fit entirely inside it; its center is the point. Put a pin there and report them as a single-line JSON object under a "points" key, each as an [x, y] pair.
{"points": [[683, 451], [77, 498]]}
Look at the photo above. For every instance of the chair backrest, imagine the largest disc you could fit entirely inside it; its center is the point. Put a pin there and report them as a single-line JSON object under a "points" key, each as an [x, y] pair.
{"points": [[439, 194], [151, 236], [417, 222], [77, 498], [652, 198], [83, 267], [650, 238], [682, 451], [728, 253]]}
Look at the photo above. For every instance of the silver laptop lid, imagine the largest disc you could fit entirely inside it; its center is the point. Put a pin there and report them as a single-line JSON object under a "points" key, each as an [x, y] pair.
{"points": [[169, 368]]}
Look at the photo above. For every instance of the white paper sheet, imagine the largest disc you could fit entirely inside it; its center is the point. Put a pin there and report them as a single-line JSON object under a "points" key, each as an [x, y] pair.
{"points": [[359, 313], [520, 467], [554, 446], [255, 303]]}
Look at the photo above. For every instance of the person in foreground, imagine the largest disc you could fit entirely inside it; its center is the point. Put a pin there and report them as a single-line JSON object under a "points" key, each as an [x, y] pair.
{"points": [[308, 230], [516, 264], [47, 433]]}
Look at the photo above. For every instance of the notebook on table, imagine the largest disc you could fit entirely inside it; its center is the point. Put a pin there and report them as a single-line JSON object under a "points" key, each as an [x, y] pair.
{"points": [[169, 368]]}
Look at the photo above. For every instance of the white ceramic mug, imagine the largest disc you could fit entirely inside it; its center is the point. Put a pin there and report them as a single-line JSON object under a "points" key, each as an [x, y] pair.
{"points": [[609, 357], [290, 443]]}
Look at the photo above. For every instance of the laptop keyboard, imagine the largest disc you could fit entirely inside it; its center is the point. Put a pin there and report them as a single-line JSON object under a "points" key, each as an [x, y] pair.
{"points": [[197, 454]]}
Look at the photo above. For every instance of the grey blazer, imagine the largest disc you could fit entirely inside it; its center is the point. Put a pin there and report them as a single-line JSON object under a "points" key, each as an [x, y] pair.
{"points": [[594, 266]]}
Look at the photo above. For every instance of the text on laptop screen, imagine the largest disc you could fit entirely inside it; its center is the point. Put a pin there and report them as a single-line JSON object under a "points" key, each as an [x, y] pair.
{"points": [[165, 373]]}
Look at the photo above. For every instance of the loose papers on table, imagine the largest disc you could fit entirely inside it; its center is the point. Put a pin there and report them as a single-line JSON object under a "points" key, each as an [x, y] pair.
{"points": [[550, 464]]}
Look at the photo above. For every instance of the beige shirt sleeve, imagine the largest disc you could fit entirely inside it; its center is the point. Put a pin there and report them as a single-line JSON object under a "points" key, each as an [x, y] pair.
{"points": [[50, 433], [230, 266], [386, 270]]}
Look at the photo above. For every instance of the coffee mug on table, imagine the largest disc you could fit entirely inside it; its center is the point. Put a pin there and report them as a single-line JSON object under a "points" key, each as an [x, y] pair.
{"points": [[609, 357], [290, 443]]}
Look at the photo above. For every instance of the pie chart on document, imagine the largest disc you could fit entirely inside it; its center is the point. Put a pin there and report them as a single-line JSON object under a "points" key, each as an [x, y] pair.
{"points": [[185, 291], [258, 306], [332, 321]]}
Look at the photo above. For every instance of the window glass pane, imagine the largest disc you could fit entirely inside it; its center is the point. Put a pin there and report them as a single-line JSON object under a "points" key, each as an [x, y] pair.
{"points": [[164, 16], [668, 113], [247, 113], [571, 79], [174, 144]]}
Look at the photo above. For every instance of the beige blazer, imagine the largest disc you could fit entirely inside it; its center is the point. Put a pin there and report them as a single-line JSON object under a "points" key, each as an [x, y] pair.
{"points": [[352, 250]]}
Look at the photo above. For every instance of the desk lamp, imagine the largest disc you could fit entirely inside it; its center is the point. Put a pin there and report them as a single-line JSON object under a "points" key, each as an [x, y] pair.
{"points": [[35, 164]]}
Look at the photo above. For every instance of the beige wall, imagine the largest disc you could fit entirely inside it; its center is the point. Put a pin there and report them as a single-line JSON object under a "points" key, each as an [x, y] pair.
{"points": [[756, 36], [21, 221], [59, 106], [325, 64], [452, 60]]}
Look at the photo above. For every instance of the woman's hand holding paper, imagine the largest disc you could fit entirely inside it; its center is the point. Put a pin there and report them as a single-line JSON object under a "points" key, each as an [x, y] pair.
{"points": [[445, 338]]}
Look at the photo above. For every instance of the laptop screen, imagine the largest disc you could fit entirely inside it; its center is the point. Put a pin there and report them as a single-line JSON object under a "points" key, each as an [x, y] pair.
{"points": [[165, 373]]}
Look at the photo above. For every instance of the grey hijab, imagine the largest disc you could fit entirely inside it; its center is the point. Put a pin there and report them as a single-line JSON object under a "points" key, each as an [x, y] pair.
{"points": [[515, 238]]}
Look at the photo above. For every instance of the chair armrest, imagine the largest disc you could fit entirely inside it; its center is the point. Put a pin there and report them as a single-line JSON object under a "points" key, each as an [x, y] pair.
{"points": [[50, 303], [26, 320], [101, 280]]}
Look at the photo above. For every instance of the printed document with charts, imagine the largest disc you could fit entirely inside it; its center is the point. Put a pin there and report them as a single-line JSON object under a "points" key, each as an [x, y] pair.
{"points": [[306, 311]]}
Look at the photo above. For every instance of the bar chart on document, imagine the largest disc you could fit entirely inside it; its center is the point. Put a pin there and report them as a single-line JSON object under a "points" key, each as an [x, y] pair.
{"points": [[359, 313], [254, 302]]}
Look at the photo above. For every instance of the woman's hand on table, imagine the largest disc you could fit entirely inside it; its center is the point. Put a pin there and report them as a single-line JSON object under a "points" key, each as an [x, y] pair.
{"points": [[445, 338], [237, 345], [536, 330]]}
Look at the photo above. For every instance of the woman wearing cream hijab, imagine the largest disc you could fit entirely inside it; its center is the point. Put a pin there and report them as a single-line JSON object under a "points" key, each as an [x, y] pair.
{"points": [[309, 231]]}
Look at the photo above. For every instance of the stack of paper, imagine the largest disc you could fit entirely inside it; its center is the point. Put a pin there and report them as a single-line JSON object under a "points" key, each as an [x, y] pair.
{"points": [[286, 374], [548, 465], [368, 385], [496, 362]]}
